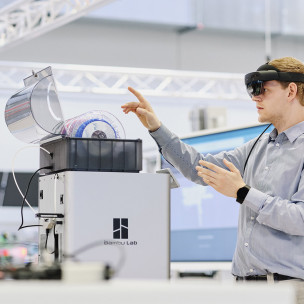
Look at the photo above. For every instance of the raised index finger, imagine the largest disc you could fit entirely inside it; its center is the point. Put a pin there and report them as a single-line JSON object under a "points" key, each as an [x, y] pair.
{"points": [[137, 94]]}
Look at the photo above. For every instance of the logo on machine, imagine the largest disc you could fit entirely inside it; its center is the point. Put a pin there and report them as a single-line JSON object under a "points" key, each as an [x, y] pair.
{"points": [[120, 228], [120, 233]]}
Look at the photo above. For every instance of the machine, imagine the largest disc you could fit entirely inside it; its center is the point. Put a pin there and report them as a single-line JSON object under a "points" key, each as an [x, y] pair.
{"points": [[94, 204]]}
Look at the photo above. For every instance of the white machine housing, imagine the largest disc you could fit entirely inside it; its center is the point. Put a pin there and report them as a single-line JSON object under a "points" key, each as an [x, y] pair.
{"points": [[89, 202]]}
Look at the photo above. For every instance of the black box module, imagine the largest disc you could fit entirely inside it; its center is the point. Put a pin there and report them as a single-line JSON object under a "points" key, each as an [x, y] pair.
{"points": [[90, 154]]}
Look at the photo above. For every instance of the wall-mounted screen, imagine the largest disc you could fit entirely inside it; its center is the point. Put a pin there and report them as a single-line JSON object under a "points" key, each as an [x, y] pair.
{"points": [[203, 221]]}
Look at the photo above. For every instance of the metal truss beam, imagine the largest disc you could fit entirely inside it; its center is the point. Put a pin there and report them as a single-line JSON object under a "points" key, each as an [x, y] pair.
{"points": [[26, 19], [80, 79]]}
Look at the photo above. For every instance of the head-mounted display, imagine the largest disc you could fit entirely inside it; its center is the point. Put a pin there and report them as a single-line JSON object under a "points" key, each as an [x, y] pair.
{"points": [[254, 81]]}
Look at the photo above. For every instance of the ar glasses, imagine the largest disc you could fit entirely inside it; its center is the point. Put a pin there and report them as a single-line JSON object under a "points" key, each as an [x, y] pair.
{"points": [[255, 88], [254, 81]]}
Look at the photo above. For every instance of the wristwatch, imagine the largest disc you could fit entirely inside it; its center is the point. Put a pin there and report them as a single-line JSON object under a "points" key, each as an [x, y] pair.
{"points": [[241, 194]]}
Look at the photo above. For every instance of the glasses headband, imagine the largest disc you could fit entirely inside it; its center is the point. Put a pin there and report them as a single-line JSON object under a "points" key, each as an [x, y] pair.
{"points": [[267, 72]]}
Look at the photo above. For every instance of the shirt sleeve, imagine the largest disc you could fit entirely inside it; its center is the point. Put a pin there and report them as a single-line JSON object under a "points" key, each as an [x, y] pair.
{"points": [[185, 158], [280, 214]]}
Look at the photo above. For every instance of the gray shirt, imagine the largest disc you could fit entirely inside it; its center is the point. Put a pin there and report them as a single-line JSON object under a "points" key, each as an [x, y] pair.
{"points": [[271, 218]]}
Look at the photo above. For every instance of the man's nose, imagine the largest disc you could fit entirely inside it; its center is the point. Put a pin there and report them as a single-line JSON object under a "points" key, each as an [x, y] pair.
{"points": [[256, 98]]}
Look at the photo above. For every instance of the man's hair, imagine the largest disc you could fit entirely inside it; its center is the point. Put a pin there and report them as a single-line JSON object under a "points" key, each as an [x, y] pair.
{"points": [[290, 64]]}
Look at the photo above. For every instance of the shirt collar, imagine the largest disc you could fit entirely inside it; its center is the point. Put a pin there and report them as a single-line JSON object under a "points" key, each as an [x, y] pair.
{"points": [[291, 133]]}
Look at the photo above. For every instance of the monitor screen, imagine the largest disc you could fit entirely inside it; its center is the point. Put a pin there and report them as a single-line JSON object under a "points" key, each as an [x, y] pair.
{"points": [[203, 221], [11, 196]]}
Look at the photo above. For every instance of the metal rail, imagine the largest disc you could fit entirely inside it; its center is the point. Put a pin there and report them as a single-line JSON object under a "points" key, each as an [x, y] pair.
{"points": [[115, 80]]}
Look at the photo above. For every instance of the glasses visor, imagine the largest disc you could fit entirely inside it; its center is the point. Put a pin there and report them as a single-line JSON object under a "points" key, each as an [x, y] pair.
{"points": [[255, 88]]}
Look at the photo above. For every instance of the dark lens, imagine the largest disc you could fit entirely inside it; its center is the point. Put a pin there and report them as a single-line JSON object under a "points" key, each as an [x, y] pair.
{"points": [[255, 88]]}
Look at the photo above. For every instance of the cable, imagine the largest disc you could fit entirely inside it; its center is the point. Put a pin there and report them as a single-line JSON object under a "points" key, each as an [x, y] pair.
{"points": [[97, 244], [13, 169], [254, 146], [24, 198]]}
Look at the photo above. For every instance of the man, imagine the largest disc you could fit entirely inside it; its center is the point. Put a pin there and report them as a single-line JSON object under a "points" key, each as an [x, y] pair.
{"points": [[265, 175]]}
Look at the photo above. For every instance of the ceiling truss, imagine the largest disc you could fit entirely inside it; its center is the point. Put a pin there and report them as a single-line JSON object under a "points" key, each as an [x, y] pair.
{"points": [[79, 79], [26, 19]]}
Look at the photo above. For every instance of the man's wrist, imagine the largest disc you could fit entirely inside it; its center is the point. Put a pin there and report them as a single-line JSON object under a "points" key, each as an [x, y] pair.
{"points": [[242, 193], [155, 128]]}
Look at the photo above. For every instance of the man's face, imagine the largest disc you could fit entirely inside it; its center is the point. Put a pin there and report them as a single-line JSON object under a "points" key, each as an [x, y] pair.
{"points": [[272, 102]]}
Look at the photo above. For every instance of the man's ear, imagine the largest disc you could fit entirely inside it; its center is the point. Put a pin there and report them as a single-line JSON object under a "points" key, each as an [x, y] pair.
{"points": [[293, 89]]}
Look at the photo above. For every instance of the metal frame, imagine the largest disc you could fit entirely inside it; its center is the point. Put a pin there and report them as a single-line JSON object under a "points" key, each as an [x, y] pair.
{"points": [[82, 79], [26, 19]]}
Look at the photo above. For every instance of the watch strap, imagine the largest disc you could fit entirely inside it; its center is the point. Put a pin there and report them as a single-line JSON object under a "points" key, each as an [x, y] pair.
{"points": [[242, 193]]}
